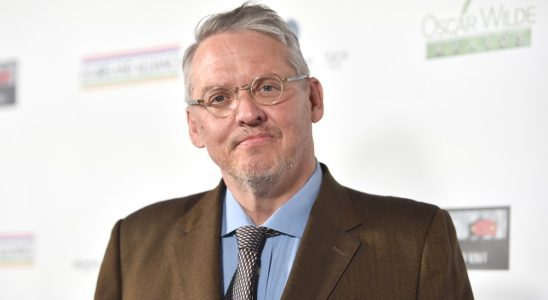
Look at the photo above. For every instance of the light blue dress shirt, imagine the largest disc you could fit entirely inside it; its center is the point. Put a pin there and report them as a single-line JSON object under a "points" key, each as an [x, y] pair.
{"points": [[279, 251]]}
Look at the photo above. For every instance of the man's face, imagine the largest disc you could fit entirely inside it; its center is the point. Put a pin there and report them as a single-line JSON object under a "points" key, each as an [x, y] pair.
{"points": [[255, 144]]}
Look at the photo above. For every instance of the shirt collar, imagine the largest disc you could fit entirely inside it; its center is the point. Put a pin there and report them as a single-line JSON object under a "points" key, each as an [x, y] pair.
{"points": [[289, 219]]}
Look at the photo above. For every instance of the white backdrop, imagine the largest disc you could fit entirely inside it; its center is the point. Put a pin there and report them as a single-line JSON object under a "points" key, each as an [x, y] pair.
{"points": [[461, 131]]}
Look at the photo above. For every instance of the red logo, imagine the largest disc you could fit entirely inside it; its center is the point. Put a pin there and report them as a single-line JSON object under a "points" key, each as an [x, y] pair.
{"points": [[5, 77], [483, 228]]}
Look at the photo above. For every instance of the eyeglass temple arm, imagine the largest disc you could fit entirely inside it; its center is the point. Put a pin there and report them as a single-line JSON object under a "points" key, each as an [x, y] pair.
{"points": [[195, 102], [296, 77]]}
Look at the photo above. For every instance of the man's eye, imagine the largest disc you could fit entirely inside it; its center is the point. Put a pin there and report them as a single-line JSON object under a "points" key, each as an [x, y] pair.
{"points": [[267, 88], [219, 99]]}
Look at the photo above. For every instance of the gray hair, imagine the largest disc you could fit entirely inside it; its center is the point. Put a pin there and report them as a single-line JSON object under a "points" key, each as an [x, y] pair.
{"points": [[249, 16]]}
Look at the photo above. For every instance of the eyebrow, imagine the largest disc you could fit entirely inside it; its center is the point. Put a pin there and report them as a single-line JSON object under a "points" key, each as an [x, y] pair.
{"points": [[209, 87]]}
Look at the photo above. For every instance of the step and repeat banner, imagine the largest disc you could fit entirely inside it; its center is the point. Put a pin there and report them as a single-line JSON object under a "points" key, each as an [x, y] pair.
{"points": [[439, 101]]}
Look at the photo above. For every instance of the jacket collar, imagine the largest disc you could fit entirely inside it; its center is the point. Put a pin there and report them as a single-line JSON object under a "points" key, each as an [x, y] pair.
{"points": [[327, 246]]}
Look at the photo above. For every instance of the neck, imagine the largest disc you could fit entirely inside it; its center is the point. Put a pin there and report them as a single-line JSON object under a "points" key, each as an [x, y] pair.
{"points": [[260, 204]]}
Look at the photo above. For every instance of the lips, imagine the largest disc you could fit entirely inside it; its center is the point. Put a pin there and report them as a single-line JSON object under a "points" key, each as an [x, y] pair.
{"points": [[254, 139], [257, 137]]}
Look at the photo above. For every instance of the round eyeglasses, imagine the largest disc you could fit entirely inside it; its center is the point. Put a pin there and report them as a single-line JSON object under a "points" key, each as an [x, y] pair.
{"points": [[266, 89]]}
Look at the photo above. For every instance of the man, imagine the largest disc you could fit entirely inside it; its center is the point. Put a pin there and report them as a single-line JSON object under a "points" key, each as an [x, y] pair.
{"points": [[278, 225]]}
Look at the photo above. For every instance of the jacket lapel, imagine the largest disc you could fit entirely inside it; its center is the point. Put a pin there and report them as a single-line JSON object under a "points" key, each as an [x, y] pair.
{"points": [[327, 246], [196, 248]]}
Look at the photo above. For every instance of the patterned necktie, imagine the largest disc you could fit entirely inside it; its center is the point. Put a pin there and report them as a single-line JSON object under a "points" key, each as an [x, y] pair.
{"points": [[250, 243]]}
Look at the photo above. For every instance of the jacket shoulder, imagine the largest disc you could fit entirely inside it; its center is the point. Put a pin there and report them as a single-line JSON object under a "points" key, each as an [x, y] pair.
{"points": [[395, 204], [392, 212], [163, 216]]}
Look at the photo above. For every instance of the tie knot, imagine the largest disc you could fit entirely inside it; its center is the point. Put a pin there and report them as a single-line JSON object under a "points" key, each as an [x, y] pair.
{"points": [[251, 237]]}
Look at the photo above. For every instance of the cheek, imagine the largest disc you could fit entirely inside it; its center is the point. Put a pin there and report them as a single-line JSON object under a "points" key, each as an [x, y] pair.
{"points": [[295, 124], [213, 134]]}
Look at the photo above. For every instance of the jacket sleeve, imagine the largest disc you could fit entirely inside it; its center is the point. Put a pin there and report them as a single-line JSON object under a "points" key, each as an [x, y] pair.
{"points": [[109, 284], [443, 273]]}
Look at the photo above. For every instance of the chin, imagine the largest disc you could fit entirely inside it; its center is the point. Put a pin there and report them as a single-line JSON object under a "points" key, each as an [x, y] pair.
{"points": [[259, 166], [260, 174]]}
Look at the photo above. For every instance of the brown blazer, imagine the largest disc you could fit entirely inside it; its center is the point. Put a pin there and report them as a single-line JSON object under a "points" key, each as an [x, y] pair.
{"points": [[355, 246]]}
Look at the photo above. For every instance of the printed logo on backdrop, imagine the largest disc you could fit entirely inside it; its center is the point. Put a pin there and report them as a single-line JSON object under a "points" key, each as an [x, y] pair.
{"points": [[16, 249], [476, 27], [483, 235], [130, 66], [334, 59], [7, 83]]}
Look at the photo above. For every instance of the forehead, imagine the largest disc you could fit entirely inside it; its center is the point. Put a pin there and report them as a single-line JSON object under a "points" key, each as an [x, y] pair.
{"points": [[236, 57]]}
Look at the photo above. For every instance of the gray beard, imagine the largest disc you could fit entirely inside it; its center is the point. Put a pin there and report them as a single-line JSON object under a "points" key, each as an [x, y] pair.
{"points": [[261, 181]]}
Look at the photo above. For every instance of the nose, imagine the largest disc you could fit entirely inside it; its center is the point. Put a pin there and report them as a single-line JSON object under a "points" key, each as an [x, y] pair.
{"points": [[248, 112]]}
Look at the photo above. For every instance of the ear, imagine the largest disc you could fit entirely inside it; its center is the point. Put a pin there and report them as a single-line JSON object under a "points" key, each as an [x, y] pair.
{"points": [[316, 99], [193, 129]]}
